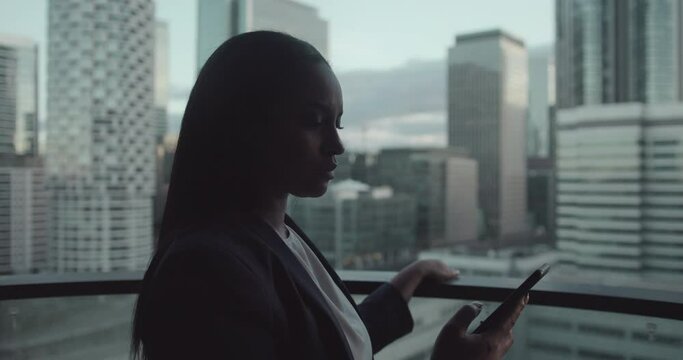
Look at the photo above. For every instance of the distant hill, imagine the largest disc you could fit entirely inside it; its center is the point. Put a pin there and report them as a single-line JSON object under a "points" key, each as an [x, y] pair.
{"points": [[403, 106], [415, 87]]}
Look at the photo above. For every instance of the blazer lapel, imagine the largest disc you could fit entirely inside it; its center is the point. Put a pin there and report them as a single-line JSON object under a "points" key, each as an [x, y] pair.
{"points": [[330, 270], [264, 232]]}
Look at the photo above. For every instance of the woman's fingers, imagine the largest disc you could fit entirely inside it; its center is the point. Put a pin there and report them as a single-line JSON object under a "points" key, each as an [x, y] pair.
{"points": [[463, 317], [435, 270], [514, 315]]}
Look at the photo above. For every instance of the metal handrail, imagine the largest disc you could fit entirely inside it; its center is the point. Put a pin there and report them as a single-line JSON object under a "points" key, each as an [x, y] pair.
{"points": [[618, 299]]}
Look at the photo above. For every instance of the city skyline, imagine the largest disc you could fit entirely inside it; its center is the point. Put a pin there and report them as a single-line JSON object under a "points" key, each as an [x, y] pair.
{"points": [[357, 42], [618, 167]]}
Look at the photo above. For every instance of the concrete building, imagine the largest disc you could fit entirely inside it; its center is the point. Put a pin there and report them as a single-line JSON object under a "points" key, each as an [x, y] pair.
{"points": [[220, 20], [101, 134], [461, 220], [541, 98], [23, 215], [443, 182], [620, 188], [357, 226], [23, 197], [487, 105], [18, 95], [161, 78], [164, 164], [541, 198], [618, 129]]}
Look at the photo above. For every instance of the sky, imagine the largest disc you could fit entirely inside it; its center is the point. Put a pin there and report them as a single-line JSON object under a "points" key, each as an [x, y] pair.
{"points": [[363, 34]]}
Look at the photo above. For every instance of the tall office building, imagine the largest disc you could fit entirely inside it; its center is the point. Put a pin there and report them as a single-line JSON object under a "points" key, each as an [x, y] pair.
{"points": [[359, 226], [23, 198], [461, 220], [101, 133], [18, 95], [541, 99], [161, 87], [161, 96], [487, 105], [541, 197], [23, 215], [619, 132], [620, 188], [220, 20], [618, 51]]}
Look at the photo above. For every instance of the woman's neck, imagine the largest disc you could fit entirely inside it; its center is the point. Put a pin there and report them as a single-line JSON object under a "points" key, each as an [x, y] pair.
{"points": [[273, 213]]}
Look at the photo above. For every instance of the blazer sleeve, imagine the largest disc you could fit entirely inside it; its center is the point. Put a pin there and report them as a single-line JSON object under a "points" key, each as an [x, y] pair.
{"points": [[386, 316], [204, 311]]}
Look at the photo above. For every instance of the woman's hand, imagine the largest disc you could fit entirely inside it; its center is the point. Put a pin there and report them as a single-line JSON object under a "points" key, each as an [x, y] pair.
{"points": [[453, 341], [408, 279]]}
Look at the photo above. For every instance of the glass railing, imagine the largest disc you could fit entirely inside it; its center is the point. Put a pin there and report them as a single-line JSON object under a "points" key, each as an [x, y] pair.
{"points": [[87, 316]]}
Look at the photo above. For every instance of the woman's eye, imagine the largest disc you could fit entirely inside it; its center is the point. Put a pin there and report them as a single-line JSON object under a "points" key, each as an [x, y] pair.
{"points": [[314, 119]]}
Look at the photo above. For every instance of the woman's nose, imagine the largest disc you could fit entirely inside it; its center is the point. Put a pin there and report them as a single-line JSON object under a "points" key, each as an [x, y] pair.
{"points": [[333, 144]]}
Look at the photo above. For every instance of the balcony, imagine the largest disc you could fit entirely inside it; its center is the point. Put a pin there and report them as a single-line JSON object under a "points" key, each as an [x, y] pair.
{"points": [[87, 316]]}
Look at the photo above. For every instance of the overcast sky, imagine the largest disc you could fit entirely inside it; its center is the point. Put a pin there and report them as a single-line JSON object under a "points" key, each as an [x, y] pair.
{"points": [[363, 34], [372, 34]]}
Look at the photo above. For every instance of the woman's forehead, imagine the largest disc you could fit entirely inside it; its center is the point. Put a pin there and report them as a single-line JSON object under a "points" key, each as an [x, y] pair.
{"points": [[318, 86]]}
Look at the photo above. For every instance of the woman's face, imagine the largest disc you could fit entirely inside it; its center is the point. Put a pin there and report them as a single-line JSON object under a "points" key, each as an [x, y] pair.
{"points": [[305, 138]]}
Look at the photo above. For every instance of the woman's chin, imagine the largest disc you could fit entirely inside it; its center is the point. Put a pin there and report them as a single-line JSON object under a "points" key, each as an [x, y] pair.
{"points": [[313, 191]]}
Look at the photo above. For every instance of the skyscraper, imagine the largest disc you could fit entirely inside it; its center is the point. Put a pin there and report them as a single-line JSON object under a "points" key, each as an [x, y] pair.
{"points": [[23, 200], [620, 188], [18, 95], [487, 104], [161, 57], [618, 51], [461, 222], [161, 95], [619, 136], [100, 136], [541, 98], [221, 19]]}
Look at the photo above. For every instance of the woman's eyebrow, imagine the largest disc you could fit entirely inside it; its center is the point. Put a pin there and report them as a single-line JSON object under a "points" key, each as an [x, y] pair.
{"points": [[324, 107]]}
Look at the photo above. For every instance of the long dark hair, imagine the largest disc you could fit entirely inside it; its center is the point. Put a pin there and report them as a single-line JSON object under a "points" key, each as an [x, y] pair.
{"points": [[215, 168]]}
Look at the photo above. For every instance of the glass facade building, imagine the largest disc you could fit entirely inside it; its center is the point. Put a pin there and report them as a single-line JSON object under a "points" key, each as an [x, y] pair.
{"points": [[18, 95], [23, 197], [620, 188], [541, 97], [101, 134], [618, 130], [220, 20], [618, 51], [487, 106]]}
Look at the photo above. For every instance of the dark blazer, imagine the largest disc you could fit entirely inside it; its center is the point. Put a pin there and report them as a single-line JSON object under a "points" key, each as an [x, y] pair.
{"points": [[239, 293]]}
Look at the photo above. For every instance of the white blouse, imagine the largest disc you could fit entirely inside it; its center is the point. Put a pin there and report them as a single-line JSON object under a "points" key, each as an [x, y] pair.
{"points": [[356, 334]]}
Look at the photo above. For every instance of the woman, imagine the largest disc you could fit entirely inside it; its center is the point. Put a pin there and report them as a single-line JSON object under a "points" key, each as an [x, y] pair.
{"points": [[233, 276]]}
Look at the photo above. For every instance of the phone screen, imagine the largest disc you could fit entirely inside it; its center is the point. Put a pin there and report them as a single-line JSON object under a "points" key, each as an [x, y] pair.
{"points": [[512, 300]]}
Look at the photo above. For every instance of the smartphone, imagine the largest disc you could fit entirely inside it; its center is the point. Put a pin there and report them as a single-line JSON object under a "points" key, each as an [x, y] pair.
{"points": [[503, 311]]}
